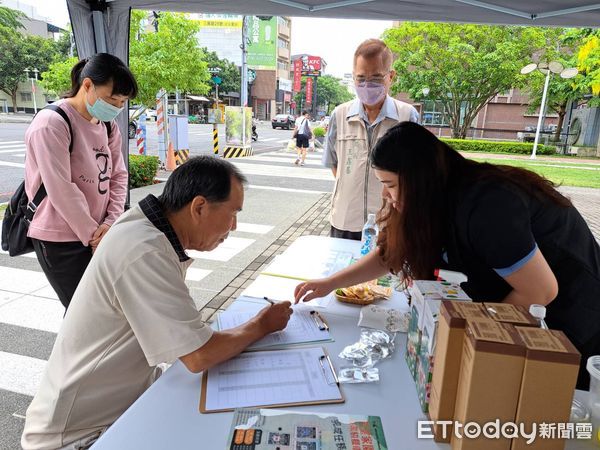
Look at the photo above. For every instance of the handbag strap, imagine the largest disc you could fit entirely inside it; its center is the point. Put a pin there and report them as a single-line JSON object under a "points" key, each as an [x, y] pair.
{"points": [[41, 192]]}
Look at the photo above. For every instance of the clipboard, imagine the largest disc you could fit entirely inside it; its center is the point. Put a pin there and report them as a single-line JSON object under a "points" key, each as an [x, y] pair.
{"points": [[323, 362], [306, 327]]}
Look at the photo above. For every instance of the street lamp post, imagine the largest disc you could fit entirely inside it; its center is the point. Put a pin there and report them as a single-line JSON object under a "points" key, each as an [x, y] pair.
{"points": [[33, 78], [425, 92], [548, 69]]}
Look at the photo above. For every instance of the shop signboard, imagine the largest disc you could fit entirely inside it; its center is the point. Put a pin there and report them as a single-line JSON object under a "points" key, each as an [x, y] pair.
{"points": [[309, 90], [262, 49], [297, 75]]}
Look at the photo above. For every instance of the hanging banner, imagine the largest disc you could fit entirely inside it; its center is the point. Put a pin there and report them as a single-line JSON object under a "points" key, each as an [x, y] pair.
{"points": [[262, 49], [297, 75], [309, 90], [218, 20]]}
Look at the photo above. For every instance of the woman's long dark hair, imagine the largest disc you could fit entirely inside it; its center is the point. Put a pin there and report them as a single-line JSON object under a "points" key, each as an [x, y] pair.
{"points": [[428, 171], [102, 68]]}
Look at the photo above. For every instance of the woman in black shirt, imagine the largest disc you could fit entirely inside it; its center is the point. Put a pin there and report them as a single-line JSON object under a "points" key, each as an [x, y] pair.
{"points": [[509, 230]]}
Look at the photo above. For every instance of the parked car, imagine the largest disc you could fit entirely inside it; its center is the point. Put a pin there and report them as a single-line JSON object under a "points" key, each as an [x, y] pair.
{"points": [[285, 121], [131, 128], [134, 114]]}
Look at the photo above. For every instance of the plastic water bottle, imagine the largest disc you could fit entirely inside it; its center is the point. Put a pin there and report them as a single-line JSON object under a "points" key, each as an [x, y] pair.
{"points": [[369, 235]]}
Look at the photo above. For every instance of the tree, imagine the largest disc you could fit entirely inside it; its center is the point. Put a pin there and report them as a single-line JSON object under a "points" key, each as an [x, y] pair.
{"points": [[65, 47], [229, 74], [11, 18], [464, 66], [560, 45], [57, 79], [169, 58], [330, 92], [588, 63], [20, 52]]}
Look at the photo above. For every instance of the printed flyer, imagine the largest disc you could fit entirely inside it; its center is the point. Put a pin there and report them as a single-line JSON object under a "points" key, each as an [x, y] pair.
{"points": [[270, 429]]}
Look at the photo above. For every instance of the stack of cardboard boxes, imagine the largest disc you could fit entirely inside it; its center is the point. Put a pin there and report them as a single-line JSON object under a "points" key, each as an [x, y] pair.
{"points": [[494, 364], [426, 298]]}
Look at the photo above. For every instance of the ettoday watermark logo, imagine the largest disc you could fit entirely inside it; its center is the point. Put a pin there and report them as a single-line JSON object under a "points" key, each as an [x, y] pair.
{"points": [[508, 430]]}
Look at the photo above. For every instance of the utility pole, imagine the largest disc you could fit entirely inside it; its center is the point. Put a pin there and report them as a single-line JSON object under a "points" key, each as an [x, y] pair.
{"points": [[244, 87]]}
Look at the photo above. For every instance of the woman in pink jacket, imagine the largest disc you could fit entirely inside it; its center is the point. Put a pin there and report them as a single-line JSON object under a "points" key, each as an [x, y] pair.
{"points": [[86, 188]]}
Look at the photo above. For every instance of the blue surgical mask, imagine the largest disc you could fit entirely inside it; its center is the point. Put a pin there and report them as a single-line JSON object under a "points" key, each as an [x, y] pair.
{"points": [[102, 110]]}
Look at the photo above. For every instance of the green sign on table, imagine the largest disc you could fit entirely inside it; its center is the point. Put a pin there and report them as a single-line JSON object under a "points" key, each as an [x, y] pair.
{"points": [[262, 50]]}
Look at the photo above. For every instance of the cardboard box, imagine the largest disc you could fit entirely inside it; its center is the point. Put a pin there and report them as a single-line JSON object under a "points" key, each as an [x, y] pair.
{"points": [[513, 314], [491, 369], [453, 318], [429, 326], [436, 290], [425, 353], [413, 341], [548, 384], [423, 380]]}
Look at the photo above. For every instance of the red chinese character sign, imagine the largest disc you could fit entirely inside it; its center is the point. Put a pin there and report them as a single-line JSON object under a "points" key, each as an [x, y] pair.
{"points": [[297, 75], [309, 90]]}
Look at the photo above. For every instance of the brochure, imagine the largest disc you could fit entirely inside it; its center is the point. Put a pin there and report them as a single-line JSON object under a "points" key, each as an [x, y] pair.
{"points": [[266, 429]]}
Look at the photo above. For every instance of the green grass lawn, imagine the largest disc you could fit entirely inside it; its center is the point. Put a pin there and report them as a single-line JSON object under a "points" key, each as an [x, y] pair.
{"points": [[2, 209], [559, 172]]}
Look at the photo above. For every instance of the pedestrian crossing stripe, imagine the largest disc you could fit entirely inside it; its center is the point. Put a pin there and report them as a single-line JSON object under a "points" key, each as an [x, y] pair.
{"points": [[181, 156], [237, 152]]}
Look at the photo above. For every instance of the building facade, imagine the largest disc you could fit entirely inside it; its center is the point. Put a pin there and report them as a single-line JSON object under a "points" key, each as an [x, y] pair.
{"points": [[268, 56], [30, 95]]}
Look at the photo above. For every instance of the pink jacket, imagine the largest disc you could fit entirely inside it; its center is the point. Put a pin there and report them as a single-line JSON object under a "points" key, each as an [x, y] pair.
{"points": [[85, 189]]}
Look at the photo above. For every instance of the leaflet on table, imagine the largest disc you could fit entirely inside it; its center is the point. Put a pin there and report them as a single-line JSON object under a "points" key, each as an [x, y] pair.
{"points": [[266, 429], [304, 267], [304, 327], [278, 288]]}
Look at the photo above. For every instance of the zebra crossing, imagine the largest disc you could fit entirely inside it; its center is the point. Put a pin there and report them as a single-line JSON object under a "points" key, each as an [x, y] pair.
{"points": [[31, 314], [29, 305], [12, 154]]}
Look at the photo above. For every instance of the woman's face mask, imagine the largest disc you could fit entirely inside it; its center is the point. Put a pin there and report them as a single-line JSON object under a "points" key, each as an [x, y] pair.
{"points": [[102, 110]]}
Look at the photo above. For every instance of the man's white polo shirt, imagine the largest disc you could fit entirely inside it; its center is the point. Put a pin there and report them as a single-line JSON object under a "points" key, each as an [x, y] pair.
{"points": [[131, 311]]}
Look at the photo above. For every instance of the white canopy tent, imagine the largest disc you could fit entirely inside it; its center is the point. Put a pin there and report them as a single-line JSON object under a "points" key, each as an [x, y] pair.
{"points": [[103, 25]]}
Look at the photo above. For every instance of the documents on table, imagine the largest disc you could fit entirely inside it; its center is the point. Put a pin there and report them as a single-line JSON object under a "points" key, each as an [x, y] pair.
{"points": [[272, 378], [304, 327], [291, 266], [276, 288]]}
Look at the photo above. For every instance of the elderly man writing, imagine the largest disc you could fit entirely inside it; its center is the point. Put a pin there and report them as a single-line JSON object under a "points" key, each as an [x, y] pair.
{"points": [[132, 309]]}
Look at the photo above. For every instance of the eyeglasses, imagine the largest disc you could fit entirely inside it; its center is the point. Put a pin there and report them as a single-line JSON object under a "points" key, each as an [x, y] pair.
{"points": [[379, 79]]}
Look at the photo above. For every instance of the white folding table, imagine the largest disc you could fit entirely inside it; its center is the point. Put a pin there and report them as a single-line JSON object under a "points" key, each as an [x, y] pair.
{"points": [[167, 415]]}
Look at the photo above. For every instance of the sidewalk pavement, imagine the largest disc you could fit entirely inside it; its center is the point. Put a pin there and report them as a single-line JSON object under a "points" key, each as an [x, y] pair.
{"points": [[15, 118], [308, 214]]}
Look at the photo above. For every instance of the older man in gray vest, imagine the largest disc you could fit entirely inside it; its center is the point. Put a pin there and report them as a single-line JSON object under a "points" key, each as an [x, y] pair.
{"points": [[354, 129]]}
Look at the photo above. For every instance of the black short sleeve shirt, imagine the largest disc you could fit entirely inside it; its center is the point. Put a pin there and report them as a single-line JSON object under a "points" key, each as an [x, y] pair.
{"points": [[496, 227]]}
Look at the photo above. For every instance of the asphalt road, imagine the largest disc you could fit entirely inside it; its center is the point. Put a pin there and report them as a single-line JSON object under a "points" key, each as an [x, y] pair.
{"points": [[277, 196], [12, 148]]}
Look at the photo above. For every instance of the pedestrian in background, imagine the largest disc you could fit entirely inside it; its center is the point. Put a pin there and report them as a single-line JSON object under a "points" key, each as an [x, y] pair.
{"points": [[303, 134], [86, 188], [354, 129]]}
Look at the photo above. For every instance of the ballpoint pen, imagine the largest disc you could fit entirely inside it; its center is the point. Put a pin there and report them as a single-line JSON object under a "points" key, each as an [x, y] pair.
{"points": [[269, 300]]}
